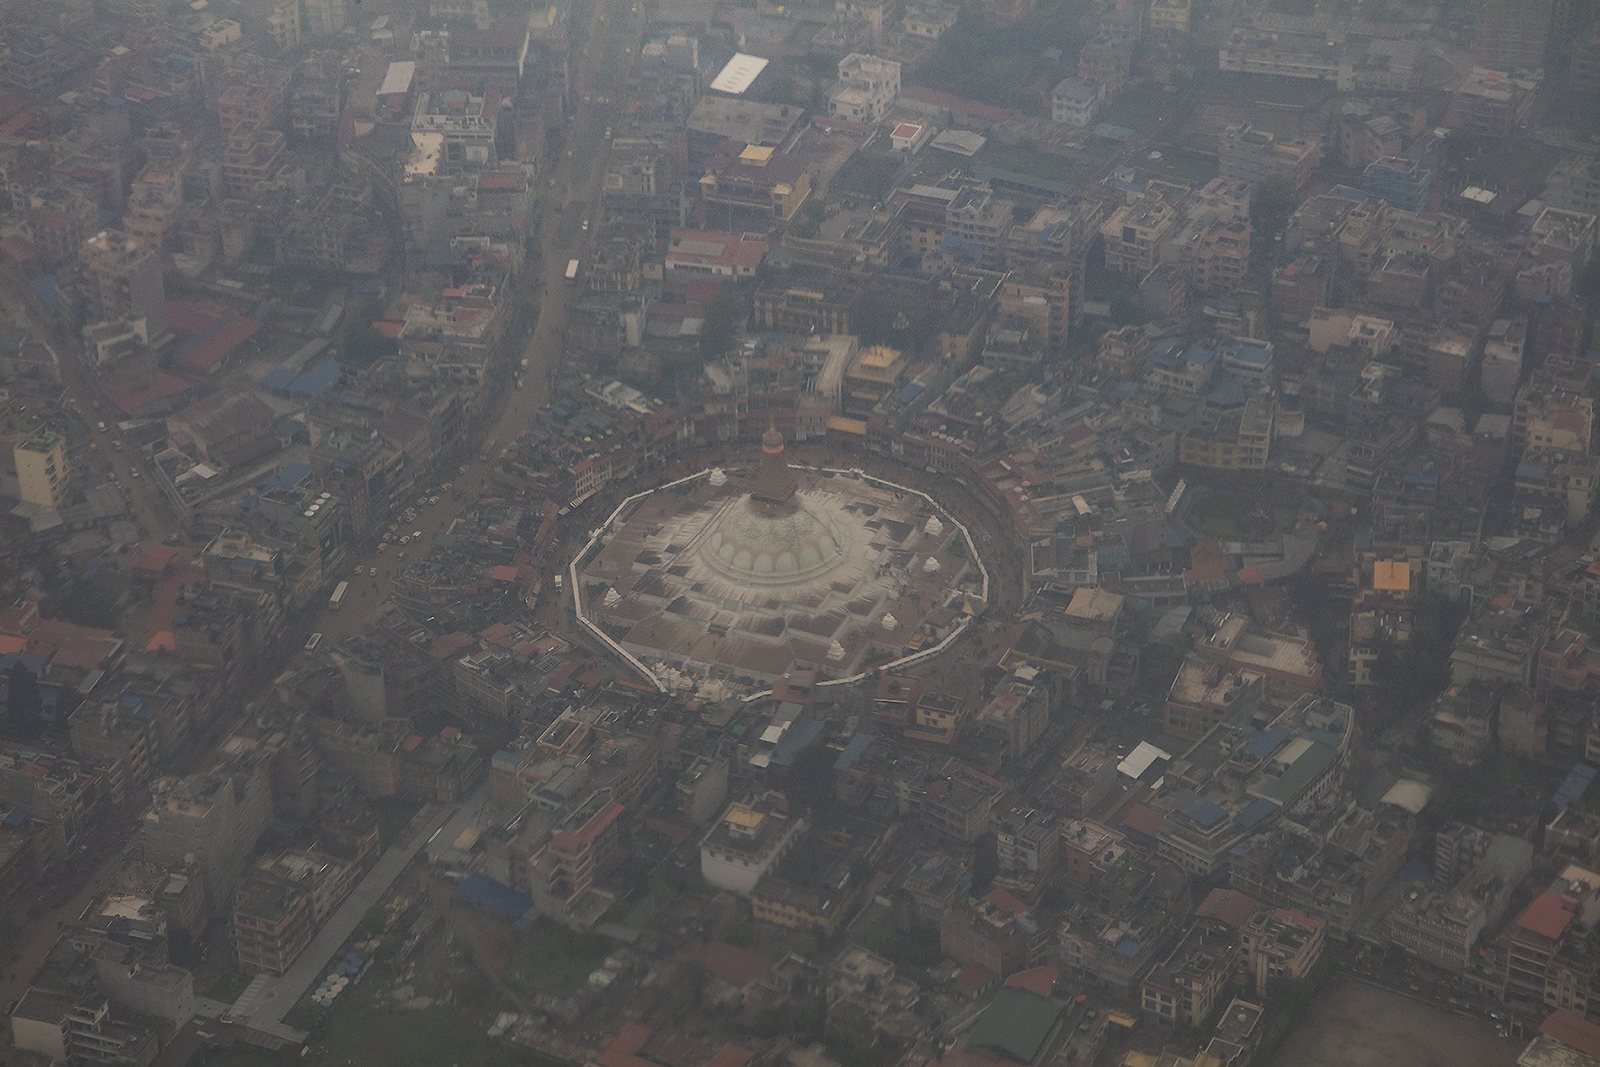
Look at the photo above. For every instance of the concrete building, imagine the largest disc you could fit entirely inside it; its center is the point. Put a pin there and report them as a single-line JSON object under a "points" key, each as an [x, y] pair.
{"points": [[1574, 184], [747, 842], [1279, 944], [1169, 16], [43, 472], [866, 89], [1073, 102], [1245, 154], [1399, 182], [998, 932], [1513, 34], [217, 817], [120, 278], [1185, 987], [452, 131], [1134, 235], [1442, 924]]}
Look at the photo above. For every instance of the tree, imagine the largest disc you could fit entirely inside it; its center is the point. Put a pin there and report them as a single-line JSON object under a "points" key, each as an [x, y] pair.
{"points": [[811, 782], [809, 219], [1270, 208], [985, 863], [717, 331], [24, 702]]}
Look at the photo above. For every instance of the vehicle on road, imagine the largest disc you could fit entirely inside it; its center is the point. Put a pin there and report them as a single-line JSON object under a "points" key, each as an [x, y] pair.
{"points": [[572, 269], [312, 642], [338, 596], [585, 225], [133, 472]]}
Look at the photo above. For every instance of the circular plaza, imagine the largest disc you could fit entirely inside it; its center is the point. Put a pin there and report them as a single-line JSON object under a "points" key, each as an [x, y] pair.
{"points": [[728, 580]]}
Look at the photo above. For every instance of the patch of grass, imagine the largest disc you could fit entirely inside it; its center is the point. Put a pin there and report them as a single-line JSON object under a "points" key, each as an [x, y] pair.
{"points": [[228, 987], [394, 815], [1180, 165], [1511, 166], [550, 958], [902, 948], [1035, 162], [1139, 108], [1230, 88], [1225, 515], [868, 175], [999, 64]]}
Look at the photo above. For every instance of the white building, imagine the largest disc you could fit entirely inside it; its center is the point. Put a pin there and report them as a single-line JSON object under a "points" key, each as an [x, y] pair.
{"points": [[747, 842], [1074, 101], [866, 89]]}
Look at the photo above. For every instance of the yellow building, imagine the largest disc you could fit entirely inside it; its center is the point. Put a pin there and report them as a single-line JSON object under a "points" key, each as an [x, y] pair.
{"points": [[42, 469]]}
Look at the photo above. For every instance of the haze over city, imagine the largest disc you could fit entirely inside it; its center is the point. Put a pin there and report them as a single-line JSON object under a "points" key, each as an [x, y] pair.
{"points": [[843, 533]]}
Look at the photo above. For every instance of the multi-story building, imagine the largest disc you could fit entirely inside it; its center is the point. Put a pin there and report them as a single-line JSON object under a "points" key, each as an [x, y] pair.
{"points": [[1245, 154], [1134, 235], [1574, 184], [1513, 34], [976, 222], [453, 131], [1441, 924], [1028, 841], [866, 89], [1169, 16], [1009, 345], [43, 472], [1074, 101], [120, 278], [747, 842], [1184, 988], [753, 185], [998, 932], [1219, 261], [1278, 944], [271, 925], [216, 816], [1107, 57], [1399, 182]]}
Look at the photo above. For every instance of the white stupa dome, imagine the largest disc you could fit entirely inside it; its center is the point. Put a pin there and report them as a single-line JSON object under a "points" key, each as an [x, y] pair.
{"points": [[762, 545]]}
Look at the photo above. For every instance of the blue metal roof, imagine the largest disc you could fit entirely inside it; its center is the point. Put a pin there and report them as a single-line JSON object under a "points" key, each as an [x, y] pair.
{"points": [[1128, 947], [908, 393], [1258, 810], [800, 734], [497, 895], [853, 751], [1265, 743], [16, 817], [1205, 812]]}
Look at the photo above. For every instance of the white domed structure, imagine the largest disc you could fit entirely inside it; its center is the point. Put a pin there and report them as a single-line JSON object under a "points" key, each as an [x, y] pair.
{"points": [[754, 574]]}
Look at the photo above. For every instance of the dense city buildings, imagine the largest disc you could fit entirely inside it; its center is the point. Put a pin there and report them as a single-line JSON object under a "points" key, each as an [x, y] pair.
{"points": [[896, 532]]}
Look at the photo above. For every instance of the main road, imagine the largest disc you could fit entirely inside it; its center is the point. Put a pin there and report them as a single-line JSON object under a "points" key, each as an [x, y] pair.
{"points": [[607, 44]]}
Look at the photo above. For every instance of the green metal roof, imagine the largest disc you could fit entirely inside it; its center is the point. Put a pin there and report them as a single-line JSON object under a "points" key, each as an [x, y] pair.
{"points": [[1015, 1026], [1309, 764]]}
